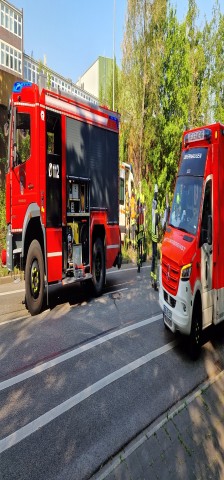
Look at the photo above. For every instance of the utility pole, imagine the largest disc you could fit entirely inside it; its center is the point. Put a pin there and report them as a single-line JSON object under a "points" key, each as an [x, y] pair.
{"points": [[114, 50]]}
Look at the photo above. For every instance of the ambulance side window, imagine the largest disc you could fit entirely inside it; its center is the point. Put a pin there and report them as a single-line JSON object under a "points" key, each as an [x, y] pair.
{"points": [[207, 211], [23, 137]]}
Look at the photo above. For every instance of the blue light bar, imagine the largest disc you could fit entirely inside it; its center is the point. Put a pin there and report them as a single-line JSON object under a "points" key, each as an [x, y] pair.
{"points": [[197, 135], [18, 86], [115, 119]]}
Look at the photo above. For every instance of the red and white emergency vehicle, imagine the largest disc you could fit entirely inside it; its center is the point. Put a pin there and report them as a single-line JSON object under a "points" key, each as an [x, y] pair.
{"points": [[62, 198], [191, 292]]}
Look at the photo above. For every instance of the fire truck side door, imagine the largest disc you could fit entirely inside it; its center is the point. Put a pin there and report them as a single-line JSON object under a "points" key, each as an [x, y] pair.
{"points": [[53, 169], [207, 256], [24, 175]]}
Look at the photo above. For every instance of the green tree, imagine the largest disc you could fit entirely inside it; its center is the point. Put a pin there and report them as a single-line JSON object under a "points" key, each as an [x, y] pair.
{"points": [[216, 56], [112, 89], [139, 99]]}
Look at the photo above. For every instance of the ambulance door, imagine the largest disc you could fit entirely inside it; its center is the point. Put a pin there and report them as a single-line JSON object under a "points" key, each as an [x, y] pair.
{"points": [[206, 244]]}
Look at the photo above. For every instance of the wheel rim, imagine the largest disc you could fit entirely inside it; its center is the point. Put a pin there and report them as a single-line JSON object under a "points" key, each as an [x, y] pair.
{"points": [[35, 279], [197, 332], [98, 267]]}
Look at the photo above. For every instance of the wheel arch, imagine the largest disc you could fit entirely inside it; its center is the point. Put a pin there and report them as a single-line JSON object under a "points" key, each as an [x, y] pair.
{"points": [[197, 305], [32, 230], [98, 232]]}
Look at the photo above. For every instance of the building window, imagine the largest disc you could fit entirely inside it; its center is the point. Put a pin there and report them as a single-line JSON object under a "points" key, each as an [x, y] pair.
{"points": [[31, 71], [11, 58], [11, 20]]}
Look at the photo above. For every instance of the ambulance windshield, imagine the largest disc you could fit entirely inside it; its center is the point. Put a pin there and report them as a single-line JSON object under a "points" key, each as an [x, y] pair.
{"points": [[186, 204], [187, 196]]}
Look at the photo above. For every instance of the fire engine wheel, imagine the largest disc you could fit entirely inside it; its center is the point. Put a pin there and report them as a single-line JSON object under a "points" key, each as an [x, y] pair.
{"points": [[34, 278], [196, 333], [98, 270]]}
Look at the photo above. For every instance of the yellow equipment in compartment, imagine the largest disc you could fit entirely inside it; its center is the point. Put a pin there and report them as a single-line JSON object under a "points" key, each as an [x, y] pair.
{"points": [[75, 231]]}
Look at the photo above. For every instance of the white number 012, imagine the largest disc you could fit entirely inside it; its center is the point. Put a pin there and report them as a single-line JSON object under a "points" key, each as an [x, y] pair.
{"points": [[53, 170]]}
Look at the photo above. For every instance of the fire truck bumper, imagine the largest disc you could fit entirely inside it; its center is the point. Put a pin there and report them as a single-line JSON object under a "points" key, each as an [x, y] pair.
{"points": [[79, 276], [177, 309]]}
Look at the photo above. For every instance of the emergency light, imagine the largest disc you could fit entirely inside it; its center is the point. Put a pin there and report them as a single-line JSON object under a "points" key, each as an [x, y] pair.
{"points": [[197, 135], [18, 86]]}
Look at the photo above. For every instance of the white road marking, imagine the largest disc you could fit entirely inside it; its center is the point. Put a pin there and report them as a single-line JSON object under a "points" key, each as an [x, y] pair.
{"points": [[15, 320], [115, 291], [126, 269], [73, 353], [55, 412], [12, 292], [2, 294]]}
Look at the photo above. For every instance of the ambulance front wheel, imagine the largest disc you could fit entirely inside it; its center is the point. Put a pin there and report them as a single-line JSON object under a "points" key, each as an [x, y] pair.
{"points": [[98, 267], [195, 339], [34, 278]]}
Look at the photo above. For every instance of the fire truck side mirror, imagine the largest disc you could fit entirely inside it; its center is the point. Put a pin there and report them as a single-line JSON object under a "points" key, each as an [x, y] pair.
{"points": [[210, 230]]}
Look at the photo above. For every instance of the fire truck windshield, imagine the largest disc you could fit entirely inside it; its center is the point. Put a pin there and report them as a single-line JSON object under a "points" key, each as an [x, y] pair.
{"points": [[186, 204]]}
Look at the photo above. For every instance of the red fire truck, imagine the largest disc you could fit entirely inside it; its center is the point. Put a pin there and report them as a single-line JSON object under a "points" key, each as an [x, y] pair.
{"points": [[62, 199], [191, 292]]}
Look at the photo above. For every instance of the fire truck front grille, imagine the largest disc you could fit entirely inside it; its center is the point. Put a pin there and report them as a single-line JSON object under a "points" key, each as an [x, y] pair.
{"points": [[170, 275]]}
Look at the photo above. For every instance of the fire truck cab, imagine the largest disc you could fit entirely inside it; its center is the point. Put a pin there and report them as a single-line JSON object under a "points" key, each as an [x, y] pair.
{"points": [[62, 207], [191, 292]]}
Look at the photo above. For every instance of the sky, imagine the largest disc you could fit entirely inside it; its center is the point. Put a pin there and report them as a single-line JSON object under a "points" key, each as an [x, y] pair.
{"points": [[72, 34]]}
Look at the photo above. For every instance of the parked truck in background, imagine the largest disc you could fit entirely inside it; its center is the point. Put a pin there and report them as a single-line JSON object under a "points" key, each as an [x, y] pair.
{"points": [[125, 191], [191, 292], [62, 198]]}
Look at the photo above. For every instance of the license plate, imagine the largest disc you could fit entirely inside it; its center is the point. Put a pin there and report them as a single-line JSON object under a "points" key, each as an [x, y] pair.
{"points": [[167, 316]]}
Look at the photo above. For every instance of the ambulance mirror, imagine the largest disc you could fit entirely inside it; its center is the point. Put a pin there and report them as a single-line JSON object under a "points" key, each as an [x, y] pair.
{"points": [[210, 230]]}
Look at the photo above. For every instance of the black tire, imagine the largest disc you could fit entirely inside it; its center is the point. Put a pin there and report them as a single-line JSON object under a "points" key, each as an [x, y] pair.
{"points": [[34, 278], [98, 270], [165, 325], [196, 334]]}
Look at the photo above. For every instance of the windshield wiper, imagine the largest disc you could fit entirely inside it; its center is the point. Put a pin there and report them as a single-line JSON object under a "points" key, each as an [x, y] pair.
{"points": [[179, 228], [171, 225], [183, 229]]}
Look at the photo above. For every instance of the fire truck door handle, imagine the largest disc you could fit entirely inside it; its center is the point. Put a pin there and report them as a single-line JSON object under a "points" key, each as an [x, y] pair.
{"points": [[30, 186]]}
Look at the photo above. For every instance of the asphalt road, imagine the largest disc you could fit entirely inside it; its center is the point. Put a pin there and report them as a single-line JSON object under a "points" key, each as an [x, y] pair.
{"points": [[83, 378]]}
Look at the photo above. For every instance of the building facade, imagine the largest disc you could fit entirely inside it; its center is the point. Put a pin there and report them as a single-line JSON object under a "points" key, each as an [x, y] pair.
{"points": [[15, 65], [55, 81], [11, 65], [11, 39], [98, 78]]}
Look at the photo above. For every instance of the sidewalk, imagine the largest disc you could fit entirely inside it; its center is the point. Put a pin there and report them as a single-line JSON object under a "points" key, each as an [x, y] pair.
{"points": [[187, 443]]}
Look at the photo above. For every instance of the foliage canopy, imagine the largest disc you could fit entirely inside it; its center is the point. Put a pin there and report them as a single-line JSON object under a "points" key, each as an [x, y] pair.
{"points": [[172, 79]]}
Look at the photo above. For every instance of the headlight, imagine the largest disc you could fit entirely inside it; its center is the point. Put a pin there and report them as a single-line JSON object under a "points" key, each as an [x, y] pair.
{"points": [[186, 272]]}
